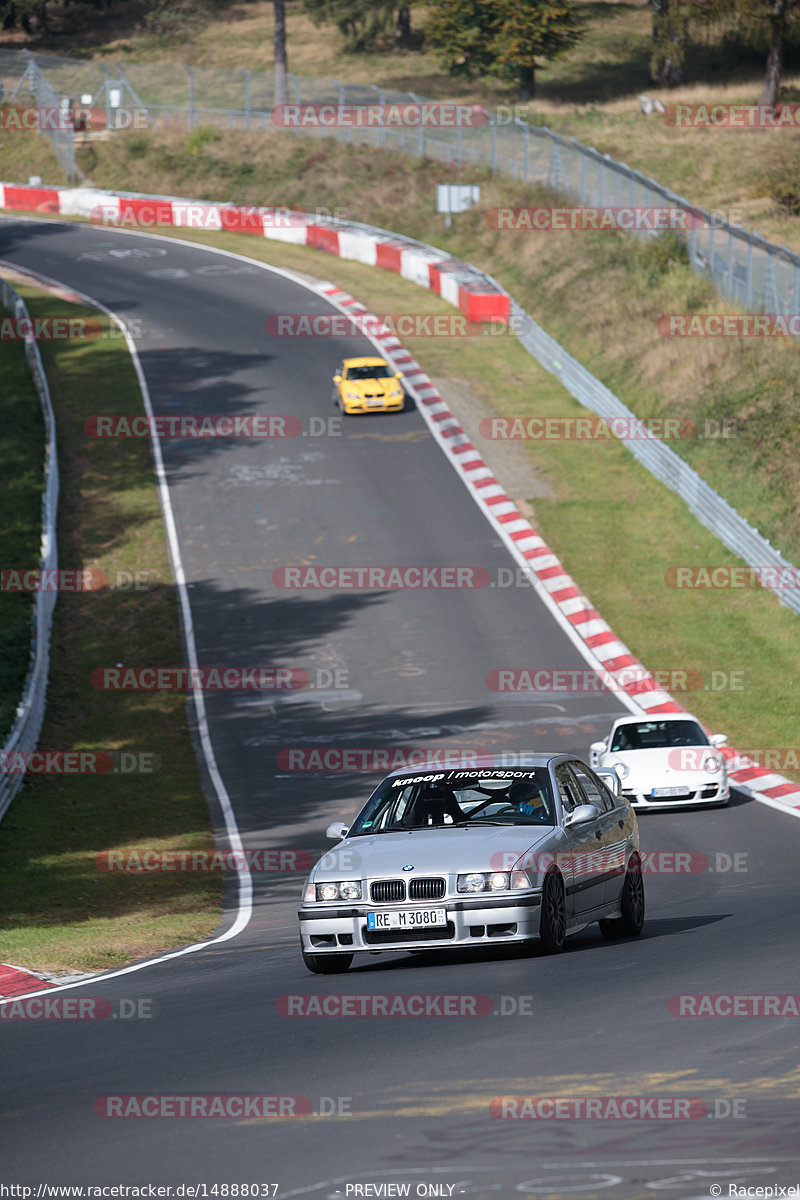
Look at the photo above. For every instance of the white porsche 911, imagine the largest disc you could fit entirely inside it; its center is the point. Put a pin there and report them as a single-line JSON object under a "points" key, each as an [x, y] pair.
{"points": [[665, 761]]}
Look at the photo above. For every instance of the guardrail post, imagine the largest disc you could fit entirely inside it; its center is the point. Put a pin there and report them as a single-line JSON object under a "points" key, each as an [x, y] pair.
{"points": [[296, 85], [379, 138], [246, 98], [339, 126], [420, 130], [190, 73]]}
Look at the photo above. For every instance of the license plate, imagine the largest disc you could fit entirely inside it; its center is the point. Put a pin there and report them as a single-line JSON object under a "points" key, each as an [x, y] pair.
{"points": [[417, 918], [670, 791], [374, 403]]}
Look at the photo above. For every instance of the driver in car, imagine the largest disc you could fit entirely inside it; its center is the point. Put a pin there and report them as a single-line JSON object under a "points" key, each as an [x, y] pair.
{"points": [[526, 798]]}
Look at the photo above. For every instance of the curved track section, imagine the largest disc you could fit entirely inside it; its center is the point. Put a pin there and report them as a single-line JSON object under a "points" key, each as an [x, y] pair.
{"points": [[406, 1100]]}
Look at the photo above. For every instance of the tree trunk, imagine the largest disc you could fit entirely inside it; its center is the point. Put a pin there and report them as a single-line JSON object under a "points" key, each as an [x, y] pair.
{"points": [[403, 38], [772, 78], [666, 65], [281, 69], [36, 21], [527, 83]]}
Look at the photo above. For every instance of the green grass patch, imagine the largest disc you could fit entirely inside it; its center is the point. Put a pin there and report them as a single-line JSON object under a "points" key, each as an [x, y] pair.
{"points": [[60, 911], [22, 473]]}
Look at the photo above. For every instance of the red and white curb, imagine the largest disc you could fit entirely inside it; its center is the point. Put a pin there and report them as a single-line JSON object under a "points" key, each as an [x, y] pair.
{"points": [[461, 284], [16, 981], [480, 299]]}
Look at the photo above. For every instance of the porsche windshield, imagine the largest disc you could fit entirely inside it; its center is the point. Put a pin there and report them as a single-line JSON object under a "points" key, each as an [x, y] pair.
{"points": [[652, 735], [454, 798]]}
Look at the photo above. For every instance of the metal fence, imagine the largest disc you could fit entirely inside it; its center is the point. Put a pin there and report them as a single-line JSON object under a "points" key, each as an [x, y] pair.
{"points": [[27, 724], [757, 275]]}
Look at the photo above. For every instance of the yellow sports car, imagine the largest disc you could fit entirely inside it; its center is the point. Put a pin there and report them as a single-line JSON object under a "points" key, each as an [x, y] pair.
{"points": [[367, 385]]}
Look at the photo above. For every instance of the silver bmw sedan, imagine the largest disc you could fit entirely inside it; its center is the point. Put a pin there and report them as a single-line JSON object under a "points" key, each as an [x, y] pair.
{"points": [[487, 854]]}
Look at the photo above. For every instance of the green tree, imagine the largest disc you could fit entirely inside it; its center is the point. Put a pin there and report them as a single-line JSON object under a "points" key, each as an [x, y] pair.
{"points": [[508, 39], [364, 24]]}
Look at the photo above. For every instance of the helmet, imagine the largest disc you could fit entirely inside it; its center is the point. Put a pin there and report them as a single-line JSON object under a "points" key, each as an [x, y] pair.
{"points": [[525, 792]]}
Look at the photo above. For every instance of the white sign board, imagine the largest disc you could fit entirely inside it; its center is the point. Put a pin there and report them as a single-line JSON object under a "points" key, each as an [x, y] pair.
{"points": [[456, 197]]}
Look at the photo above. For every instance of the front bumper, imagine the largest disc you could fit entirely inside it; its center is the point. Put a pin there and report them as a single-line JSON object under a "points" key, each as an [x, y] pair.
{"points": [[364, 406], [470, 922], [701, 792]]}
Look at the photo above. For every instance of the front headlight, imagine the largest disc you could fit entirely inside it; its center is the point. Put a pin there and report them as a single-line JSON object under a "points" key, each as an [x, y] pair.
{"points": [[396, 392], [351, 395], [493, 881], [349, 889], [622, 769], [712, 764]]}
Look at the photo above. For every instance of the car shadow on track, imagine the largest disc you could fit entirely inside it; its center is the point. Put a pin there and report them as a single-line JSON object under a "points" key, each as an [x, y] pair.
{"points": [[590, 939], [737, 799]]}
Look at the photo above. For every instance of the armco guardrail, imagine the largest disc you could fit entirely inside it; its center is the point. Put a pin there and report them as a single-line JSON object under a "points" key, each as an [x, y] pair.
{"points": [[27, 725], [756, 274]]}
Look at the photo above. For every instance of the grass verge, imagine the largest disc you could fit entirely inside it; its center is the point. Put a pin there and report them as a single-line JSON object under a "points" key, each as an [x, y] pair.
{"points": [[22, 472], [58, 910]]}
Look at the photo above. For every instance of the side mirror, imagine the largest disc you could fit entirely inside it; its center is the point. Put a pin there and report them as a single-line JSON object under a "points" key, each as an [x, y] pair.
{"points": [[581, 815], [398, 374], [336, 831], [337, 379], [595, 750], [718, 739]]}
